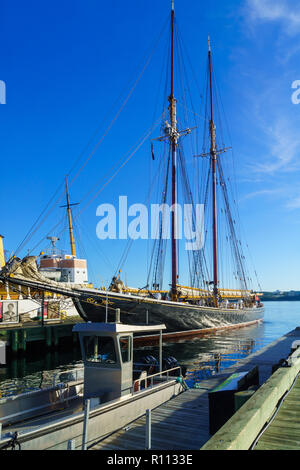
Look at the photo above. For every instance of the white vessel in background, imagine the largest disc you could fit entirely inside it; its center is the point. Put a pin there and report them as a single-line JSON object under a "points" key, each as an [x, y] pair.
{"points": [[16, 305]]}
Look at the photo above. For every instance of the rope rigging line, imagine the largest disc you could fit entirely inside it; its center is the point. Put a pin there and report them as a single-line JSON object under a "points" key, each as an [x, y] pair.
{"points": [[157, 278], [35, 227], [198, 256], [137, 147], [122, 106], [160, 247], [237, 253], [234, 190], [130, 242], [146, 136]]}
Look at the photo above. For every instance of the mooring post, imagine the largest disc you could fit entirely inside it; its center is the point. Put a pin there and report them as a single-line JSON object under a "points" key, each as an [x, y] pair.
{"points": [[71, 444], [86, 424], [160, 351], [22, 366], [106, 309], [118, 315], [74, 338], [14, 368], [43, 307], [148, 429], [54, 337], [48, 336], [23, 339]]}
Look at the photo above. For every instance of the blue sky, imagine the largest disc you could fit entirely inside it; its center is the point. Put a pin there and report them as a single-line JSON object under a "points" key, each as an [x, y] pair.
{"points": [[68, 66]]}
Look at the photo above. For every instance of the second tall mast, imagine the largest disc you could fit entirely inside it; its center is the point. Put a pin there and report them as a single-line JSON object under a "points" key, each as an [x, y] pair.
{"points": [[173, 141], [213, 155]]}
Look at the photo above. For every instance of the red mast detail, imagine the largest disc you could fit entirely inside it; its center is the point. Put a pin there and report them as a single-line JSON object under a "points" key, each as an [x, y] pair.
{"points": [[213, 155], [174, 164]]}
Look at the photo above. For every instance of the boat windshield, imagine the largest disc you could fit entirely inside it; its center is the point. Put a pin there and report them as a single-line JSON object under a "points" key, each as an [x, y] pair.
{"points": [[125, 346], [100, 349]]}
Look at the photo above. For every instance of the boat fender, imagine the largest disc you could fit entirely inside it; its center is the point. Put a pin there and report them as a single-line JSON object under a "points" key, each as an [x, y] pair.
{"points": [[183, 383], [282, 363], [295, 345]]}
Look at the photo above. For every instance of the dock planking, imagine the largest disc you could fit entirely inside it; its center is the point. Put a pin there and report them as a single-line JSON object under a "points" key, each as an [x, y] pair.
{"points": [[183, 422], [284, 432]]}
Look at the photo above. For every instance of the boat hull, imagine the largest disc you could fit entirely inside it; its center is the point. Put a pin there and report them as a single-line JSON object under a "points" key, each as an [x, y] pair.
{"points": [[175, 315]]}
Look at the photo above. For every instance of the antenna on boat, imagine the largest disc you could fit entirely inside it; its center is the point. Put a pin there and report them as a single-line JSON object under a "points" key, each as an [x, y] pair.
{"points": [[173, 8]]}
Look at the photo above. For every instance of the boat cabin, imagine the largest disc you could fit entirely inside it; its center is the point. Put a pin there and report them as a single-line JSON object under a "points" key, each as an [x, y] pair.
{"points": [[112, 392], [107, 353]]}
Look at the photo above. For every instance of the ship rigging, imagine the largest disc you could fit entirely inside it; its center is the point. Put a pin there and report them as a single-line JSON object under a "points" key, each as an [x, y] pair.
{"points": [[207, 300]]}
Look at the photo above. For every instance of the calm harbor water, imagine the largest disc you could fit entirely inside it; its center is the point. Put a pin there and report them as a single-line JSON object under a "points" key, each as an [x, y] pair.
{"points": [[202, 356]]}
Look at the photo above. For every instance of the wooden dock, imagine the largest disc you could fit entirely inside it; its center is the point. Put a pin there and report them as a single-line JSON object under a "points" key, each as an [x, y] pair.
{"points": [[284, 432], [183, 422], [17, 337]]}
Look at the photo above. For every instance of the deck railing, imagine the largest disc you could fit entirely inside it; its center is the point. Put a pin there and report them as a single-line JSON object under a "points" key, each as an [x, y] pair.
{"points": [[69, 375], [163, 374]]}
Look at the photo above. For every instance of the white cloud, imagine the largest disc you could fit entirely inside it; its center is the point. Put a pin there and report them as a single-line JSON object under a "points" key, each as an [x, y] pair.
{"points": [[285, 11], [263, 193], [294, 203], [283, 152]]}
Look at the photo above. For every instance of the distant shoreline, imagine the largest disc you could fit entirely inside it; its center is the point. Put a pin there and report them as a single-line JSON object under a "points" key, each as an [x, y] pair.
{"points": [[280, 298]]}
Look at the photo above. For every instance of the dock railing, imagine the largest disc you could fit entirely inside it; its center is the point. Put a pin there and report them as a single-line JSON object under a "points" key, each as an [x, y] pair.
{"points": [[165, 374]]}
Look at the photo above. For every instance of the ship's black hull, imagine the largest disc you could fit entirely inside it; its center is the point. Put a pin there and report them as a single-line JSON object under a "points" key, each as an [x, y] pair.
{"points": [[176, 316]]}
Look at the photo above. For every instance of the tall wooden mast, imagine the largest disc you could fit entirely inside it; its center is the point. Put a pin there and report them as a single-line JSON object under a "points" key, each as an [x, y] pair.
{"points": [[172, 135], [213, 156], [68, 206], [173, 141]]}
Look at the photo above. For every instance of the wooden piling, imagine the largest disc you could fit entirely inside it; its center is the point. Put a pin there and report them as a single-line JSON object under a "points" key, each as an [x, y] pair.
{"points": [[14, 341], [48, 336], [54, 337], [22, 340]]}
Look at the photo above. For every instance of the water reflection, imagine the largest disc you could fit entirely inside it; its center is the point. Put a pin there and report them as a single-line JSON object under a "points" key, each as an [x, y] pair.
{"points": [[36, 370], [202, 356], [205, 356]]}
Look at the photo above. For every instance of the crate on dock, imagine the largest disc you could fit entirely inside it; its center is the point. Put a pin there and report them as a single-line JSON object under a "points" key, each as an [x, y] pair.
{"points": [[222, 400]]}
